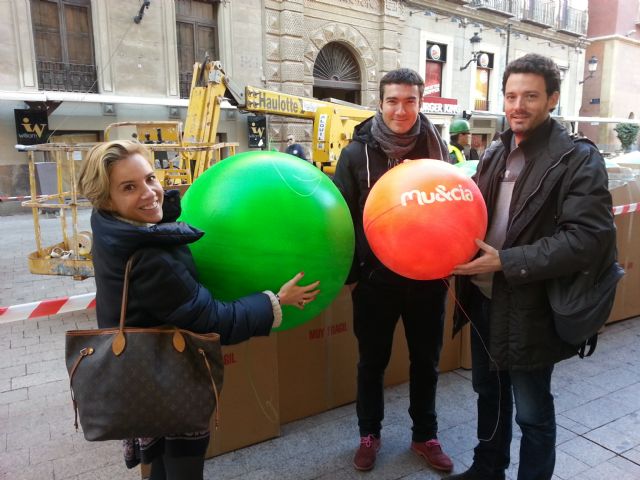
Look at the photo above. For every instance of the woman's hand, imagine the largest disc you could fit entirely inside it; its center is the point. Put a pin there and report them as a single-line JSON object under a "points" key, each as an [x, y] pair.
{"points": [[298, 295]]}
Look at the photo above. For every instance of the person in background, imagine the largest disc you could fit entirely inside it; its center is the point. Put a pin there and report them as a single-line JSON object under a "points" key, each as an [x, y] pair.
{"points": [[396, 133], [133, 216], [294, 148], [477, 147], [537, 231], [460, 137]]}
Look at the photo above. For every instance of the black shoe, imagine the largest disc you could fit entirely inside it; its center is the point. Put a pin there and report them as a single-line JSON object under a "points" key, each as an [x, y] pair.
{"points": [[471, 475]]}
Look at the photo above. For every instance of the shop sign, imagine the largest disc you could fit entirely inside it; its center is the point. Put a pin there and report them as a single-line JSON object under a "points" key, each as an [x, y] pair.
{"points": [[434, 52], [32, 127], [257, 131], [446, 106]]}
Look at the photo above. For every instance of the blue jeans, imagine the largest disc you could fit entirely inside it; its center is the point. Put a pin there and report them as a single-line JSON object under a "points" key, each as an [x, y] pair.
{"points": [[497, 390]]}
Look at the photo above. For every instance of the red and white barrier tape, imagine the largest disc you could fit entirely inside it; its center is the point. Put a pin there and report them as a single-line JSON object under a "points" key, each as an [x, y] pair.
{"points": [[632, 207], [44, 308], [4, 198]]}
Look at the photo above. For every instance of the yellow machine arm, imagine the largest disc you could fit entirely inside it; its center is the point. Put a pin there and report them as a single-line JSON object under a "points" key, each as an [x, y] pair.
{"points": [[333, 123]]}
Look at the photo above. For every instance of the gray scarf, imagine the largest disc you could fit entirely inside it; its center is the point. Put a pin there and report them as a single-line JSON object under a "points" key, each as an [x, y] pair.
{"points": [[395, 146]]}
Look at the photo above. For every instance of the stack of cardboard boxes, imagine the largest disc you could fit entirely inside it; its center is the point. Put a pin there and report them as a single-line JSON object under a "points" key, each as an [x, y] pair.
{"points": [[301, 372], [624, 184]]}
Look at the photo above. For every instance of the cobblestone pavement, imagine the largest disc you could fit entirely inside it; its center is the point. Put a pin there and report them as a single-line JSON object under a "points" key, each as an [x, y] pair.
{"points": [[597, 401]]}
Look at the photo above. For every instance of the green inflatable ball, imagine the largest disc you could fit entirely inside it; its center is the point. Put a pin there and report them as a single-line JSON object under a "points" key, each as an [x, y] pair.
{"points": [[267, 216]]}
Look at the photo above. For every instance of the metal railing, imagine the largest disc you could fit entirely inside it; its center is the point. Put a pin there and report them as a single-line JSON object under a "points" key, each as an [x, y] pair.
{"points": [[572, 20], [66, 77], [508, 7], [185, 84], [539, 12]]}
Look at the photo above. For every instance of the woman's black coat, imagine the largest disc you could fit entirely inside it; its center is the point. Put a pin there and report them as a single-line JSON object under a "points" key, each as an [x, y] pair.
{"points": [[164, 287]]}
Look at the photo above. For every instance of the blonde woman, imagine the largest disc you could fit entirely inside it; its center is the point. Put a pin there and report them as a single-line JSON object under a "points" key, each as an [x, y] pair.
{"points": [[133, 215]]}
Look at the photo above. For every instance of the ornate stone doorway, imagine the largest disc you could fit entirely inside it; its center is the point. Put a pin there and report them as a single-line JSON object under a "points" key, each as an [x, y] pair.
{"points": [[336, 74]]}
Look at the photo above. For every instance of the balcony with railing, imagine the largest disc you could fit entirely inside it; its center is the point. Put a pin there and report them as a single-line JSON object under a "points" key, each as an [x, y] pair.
{"points": [[185, 84], [67, 77], [506, 8], [539, 13], [573, 21], [481, 104]]}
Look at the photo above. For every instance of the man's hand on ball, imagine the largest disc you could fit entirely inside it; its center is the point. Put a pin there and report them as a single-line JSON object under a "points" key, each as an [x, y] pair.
{"points": [[488, 261]]}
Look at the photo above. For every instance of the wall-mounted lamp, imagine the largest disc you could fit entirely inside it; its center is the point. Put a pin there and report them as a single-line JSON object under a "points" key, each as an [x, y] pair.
{"points": [[427, 13], [592, 66], [138, 18], [475, 44]]}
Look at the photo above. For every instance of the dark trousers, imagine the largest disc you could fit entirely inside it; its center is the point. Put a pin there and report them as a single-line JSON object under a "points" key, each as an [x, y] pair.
{"points": [[375, 313], [177, 468], [535, 414]]}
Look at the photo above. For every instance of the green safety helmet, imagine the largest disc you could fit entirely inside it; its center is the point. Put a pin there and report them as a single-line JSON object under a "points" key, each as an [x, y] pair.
{"points": [[459, 125]]}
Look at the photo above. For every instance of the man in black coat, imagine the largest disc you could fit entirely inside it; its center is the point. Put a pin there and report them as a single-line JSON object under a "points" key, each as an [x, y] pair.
{"points": [[549, 216], [397, 132], [294, 148]]}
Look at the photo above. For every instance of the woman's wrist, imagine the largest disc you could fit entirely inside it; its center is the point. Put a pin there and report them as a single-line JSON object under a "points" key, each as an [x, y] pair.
{"points": [[276, 308]]}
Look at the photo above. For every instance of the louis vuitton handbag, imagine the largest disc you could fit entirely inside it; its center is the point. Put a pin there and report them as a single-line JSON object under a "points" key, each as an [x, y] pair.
{"points": [[142, 382]]}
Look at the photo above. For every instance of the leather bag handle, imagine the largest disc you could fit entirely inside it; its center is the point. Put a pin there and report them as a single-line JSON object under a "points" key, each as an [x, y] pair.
{"points": [[119, 340]]}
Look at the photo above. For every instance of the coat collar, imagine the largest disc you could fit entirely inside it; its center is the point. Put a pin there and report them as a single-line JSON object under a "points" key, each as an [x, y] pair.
{"points": [[125, 237]]}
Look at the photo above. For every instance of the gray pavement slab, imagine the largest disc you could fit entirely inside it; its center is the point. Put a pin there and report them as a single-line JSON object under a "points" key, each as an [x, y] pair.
{"points": [[597, 400]]}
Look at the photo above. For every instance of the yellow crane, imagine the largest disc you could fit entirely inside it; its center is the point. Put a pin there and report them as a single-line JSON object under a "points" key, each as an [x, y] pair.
{"points": [[333, 123], [195, 149]]}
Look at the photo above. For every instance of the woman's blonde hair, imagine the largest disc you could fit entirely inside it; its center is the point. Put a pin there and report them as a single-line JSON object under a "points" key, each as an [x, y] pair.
{"points": [[93, 181]]}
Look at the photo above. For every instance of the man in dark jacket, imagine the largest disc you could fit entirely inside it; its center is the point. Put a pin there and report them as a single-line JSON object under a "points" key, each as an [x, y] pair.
{"points": [[549, 216], [294, 148], [397, 132]]}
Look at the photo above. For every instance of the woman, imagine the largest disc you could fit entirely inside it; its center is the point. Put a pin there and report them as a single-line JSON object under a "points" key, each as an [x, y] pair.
{"points": [[134, 216]]}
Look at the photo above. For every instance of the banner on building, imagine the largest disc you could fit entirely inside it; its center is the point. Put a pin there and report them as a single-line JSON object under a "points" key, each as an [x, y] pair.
{"points": [[32, 127], [257, 131]]}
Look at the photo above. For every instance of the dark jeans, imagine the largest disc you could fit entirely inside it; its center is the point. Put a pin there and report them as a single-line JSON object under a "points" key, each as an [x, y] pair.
{"points": [[375, 313], [177, 468], [535, 413]]}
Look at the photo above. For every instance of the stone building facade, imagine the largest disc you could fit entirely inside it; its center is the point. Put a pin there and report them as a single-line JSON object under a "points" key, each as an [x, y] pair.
{"points": [[314, 48]]}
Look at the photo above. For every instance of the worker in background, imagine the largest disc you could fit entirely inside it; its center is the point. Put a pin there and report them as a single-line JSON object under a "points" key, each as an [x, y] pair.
{"points": [[294, 148], [460, 135]]}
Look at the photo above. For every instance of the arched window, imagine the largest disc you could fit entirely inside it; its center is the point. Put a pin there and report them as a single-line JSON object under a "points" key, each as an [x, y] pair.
{"points": [[336, 74]]}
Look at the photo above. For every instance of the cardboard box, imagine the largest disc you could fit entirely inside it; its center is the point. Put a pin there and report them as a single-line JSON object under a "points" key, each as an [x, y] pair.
{"points": [[303, 373], [627, 301], [342, 351], [249, 405]]}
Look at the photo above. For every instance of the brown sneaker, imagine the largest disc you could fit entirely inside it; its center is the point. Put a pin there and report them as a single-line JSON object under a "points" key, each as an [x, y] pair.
{"points": [[433, 454], [365, 457]]}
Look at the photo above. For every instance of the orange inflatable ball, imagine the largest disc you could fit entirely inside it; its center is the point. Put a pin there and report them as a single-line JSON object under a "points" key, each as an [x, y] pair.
{"points": [[422, 218]]}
